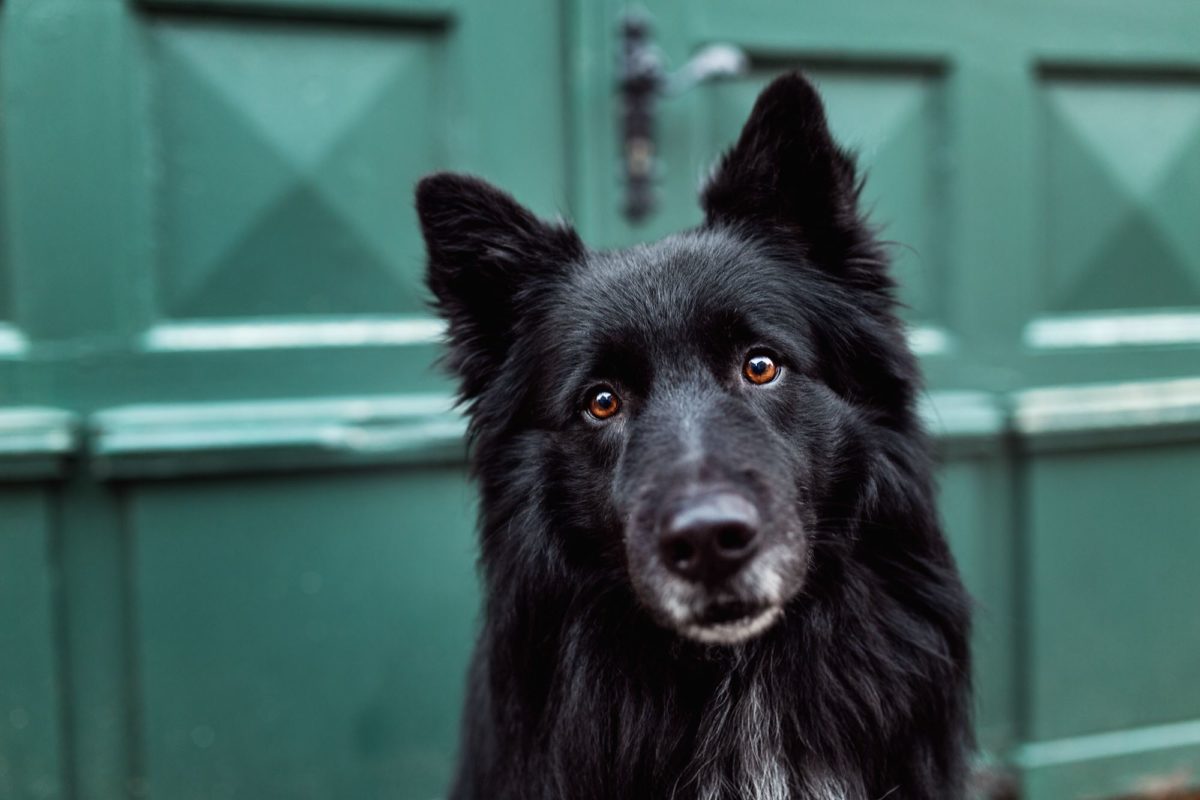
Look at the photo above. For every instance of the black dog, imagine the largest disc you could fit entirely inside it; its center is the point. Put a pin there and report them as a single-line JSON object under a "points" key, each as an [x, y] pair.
{"points": [[713, 564]]}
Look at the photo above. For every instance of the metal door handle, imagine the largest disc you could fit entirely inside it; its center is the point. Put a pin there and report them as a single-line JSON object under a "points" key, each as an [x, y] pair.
{"points": [[642, 81]]}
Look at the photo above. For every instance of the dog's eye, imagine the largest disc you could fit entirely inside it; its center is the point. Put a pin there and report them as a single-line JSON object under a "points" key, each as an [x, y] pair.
{"points": [[760, 369], [604, 404]]}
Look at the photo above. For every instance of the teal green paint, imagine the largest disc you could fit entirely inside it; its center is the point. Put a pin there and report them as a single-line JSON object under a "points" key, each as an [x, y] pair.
{"points": [[1110, 745], [303, 637], [31, 757], [233, 514], [975, 502], [403, 10], [168, 441], [1113, 641], [1123, 762], [36, 442], [279, 145]]}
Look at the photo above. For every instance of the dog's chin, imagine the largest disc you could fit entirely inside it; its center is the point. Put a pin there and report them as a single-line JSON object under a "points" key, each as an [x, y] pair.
{"points": [[732, 631], [735, 612]]}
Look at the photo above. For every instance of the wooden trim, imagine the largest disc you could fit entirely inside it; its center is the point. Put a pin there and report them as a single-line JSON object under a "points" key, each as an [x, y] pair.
{"points": [[172, 440], [35, 443], [1133, 412], [435, 13], [1117, 763], [181, 439], [12, 342], [1152, 328], [222, 335]]}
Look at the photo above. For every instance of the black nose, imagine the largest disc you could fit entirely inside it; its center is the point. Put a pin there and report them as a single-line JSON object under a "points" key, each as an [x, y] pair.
{"points": [[711, 537]]}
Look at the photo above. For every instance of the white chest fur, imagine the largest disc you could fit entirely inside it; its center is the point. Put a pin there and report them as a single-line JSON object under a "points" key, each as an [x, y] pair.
{"points": [[740, 755]]}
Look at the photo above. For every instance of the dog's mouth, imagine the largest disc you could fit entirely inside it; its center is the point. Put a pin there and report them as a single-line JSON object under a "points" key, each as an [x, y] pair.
{"points": [[731, 612], [731, 623]]}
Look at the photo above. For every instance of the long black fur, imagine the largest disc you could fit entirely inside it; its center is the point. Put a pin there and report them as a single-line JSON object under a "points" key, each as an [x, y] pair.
{"points": [[578, 688]]}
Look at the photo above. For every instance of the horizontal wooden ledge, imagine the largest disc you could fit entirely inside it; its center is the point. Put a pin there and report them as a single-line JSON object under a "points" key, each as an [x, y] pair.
{"points": [[1131, 412], [184, 439], [367, 12], [1162, 327], [168, 440], [36, 442], [963, 422], [369, 331], [1125, 763], [284, 333], [12, 341], [1107, 745]]}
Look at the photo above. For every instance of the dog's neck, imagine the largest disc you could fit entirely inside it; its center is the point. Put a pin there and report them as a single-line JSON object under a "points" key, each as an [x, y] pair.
{"points": [[723, 724], [758, 768]]}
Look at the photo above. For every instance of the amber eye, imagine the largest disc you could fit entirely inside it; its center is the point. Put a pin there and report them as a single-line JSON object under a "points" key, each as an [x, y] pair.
{"points": [[604, 404], [760, 369]]}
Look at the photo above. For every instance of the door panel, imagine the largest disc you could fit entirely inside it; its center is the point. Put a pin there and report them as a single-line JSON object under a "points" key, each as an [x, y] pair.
{"points": [[1122, 153], [206, 211], [1113, 551], [302, 637], [287, 156], [265, 158]]}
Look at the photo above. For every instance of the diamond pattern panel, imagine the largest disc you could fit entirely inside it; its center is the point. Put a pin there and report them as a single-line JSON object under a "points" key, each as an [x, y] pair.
{"points": [[1123, 184], [894, 120], [288, 154]]}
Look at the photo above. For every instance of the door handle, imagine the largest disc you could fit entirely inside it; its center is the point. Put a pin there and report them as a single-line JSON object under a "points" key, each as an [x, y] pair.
{"points": [[643, 80]]}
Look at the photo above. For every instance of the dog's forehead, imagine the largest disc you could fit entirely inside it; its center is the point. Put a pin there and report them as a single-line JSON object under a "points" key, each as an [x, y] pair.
{"points": [[668, 284]]}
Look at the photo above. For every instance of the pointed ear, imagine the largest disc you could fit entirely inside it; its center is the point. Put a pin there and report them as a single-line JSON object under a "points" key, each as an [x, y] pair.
{"points": [[786, 170], [488, 257]]}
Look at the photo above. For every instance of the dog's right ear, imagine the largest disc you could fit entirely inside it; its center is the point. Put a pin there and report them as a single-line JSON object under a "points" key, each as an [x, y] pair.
{"points": [[488, 258]]}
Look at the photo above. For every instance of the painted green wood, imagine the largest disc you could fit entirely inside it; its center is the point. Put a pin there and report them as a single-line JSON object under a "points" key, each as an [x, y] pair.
{"points": [[1038, 163], [36, 442], [434, 10], [976, 510], [1113, 593], [256, 579], [1143, 762], [1055, 418], [302, 637], [971, 172], [13, 343], [267, 241], [211, 203], [224, 438], [31, 756]]}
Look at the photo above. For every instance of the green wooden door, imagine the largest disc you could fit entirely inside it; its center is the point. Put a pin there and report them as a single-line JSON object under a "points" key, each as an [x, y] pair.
{"points": [[1038, 164], [236, 557], [236, 551]]}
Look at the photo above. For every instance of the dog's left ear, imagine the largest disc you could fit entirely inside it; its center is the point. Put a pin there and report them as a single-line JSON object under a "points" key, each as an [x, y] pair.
{"points": [[786, 170]]}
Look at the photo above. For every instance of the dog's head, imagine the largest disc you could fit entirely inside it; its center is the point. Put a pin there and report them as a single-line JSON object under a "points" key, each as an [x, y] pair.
{"points": [[686, 415]]}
